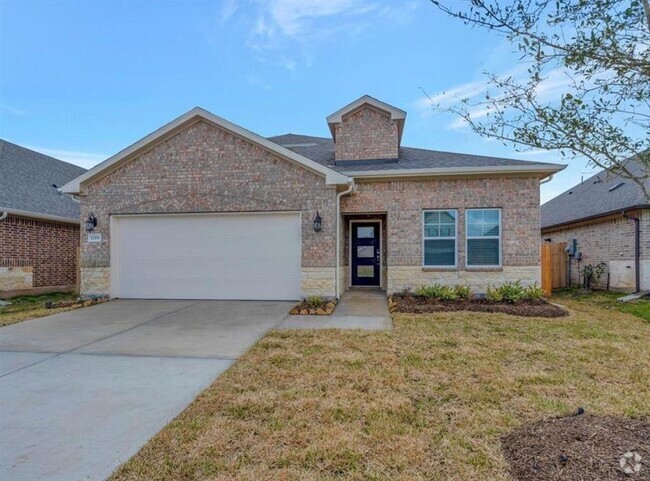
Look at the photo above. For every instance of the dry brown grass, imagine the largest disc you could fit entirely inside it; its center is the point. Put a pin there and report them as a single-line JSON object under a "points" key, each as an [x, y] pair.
{"points": [[30, 307], [427, 401]]}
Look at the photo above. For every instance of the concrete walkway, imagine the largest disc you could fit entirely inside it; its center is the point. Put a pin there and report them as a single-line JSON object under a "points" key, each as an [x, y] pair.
{"points": [[82, 391], [365, 309]]}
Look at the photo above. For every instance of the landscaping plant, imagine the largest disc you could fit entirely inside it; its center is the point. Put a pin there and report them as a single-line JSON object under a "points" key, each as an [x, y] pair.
{"points": [[442, 292]]}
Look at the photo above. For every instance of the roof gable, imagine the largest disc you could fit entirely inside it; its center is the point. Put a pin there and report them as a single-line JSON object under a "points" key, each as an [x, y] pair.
{"points": [[172, 128], [396, 114]]}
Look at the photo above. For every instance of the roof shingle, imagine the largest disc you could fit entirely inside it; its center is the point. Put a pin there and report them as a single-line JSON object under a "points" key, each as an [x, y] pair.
{"points": [[27, 181], [595, 196], [321, 150]]}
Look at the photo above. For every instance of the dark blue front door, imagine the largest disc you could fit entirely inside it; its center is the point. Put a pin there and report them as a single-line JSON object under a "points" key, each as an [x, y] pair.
{"points": [[364, 257]]}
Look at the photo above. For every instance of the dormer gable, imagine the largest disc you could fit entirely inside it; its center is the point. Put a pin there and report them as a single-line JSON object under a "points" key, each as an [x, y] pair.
{"points": [[367, 129]]}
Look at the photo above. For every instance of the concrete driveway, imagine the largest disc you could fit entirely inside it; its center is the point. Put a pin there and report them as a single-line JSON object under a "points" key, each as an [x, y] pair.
{"points": [[82, 391]]}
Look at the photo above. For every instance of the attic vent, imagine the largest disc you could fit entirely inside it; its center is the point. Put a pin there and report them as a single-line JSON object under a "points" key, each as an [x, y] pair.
{"points": [[614, 187]]}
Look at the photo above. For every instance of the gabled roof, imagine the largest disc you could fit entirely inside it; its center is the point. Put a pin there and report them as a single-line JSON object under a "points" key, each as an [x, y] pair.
{"points": [[29, 181], [412, 161], [172, 128], [395, 114], [602, 194]]}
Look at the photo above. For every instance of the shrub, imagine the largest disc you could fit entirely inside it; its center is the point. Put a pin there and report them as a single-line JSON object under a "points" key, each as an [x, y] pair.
{"points": [[493, 294], [514, 292], [463, 292], [443, 292], [533, 293], [315, 301]]}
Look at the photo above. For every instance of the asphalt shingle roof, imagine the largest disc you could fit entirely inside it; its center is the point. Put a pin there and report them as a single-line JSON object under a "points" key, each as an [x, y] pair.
{"points": [[595, 196], [27, 178], [321, 150]]}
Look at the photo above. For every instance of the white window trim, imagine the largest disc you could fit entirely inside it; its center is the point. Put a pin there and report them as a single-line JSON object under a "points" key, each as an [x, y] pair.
{"points": [[424, 238], [468, 237]]}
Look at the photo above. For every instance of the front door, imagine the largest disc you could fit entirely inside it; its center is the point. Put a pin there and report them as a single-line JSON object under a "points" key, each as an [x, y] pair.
{"points": [[365, 263]]}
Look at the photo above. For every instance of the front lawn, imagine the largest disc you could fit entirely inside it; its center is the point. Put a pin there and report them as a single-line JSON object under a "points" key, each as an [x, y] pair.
{"points": [[429, 400], [29, 307], [609, 300]]}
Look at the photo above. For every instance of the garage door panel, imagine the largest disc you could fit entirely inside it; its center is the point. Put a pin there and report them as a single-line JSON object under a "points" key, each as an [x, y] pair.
{"points": [[249, 256]]}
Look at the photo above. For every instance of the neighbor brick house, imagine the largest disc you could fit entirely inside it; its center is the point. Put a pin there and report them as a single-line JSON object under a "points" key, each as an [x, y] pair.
{"points": [[608, 216], [39, 230], [203, 208]]}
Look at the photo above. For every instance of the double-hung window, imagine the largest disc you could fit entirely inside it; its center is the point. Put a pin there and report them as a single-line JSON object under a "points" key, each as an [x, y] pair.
{"points": [[439, 238], [483, 232]]}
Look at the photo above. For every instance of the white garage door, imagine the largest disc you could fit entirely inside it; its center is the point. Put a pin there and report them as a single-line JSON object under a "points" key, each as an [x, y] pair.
{"points": [[206, 256]]}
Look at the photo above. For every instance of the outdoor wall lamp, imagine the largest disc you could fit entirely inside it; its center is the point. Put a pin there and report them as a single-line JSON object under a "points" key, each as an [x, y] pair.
{"points": [[91, 222], [318, 222]]}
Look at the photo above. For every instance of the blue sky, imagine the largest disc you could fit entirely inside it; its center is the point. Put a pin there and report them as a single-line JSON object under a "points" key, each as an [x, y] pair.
{"points": [[81, 80]]}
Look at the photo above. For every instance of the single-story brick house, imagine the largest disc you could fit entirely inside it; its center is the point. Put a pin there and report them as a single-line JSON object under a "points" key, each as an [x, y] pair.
{"points": [[609, 218], [39, 230], [203, 208]]}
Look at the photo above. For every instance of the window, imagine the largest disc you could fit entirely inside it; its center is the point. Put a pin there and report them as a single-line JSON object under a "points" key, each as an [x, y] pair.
{"points": [[483, 237], [439, 238]]}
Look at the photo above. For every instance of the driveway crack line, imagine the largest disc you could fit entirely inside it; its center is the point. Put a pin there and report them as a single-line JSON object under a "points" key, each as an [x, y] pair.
{"points": [[71, 351]]}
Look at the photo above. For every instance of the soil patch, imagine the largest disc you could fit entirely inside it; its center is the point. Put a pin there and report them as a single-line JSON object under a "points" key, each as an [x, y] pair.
{"points": [[579, 447], [421, 305]]}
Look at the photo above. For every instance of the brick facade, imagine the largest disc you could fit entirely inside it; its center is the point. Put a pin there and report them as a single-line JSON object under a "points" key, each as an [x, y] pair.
{"points": [[367, 133], [207, 169], [48, 248], [611, 241], [403, 203]]}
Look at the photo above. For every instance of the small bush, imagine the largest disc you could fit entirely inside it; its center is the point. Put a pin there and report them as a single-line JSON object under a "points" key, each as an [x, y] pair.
{"points": [[533, 293], [494, 294], [514, 292], [463, 292], [442, 292], [315, 301]]}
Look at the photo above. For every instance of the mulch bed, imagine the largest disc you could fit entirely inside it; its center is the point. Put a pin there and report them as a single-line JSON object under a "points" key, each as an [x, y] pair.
{"points": [[304, 308], [75, 304], [580, 447], [420, 305]]}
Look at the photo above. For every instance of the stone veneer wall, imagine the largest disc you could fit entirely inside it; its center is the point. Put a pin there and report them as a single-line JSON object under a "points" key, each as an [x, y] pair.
{"points": [[207, 169], [404, 201], [36, 254], [366, 133], [610, 241]]}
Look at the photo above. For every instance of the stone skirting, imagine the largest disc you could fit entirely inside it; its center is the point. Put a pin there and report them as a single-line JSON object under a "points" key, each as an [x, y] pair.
{"points": [[318, 281], [403, 277], [16, 278], [95, 281]]}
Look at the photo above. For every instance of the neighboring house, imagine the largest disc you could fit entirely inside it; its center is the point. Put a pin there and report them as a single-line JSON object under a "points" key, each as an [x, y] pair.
{"points": [[39, 230], [202, 208], [600, 214]]}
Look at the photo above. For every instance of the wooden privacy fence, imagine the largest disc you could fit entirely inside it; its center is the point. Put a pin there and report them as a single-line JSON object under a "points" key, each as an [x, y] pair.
{"points": [[554, 266]]}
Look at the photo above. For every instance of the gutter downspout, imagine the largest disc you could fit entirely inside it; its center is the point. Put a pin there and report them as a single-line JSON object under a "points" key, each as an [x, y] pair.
{"points": [[637, 253], [352, 187], [4, 215]]}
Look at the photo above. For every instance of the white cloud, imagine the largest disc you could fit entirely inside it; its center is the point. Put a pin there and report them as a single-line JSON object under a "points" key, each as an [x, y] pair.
{"points": [[285, 32], [12, 110], [555, 83], [82, 159], [227, 10], [295, 17]]}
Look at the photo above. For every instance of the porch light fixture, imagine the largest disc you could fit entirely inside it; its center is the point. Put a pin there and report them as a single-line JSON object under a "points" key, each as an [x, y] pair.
{"points": [[91, 222], [318, 223]]}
